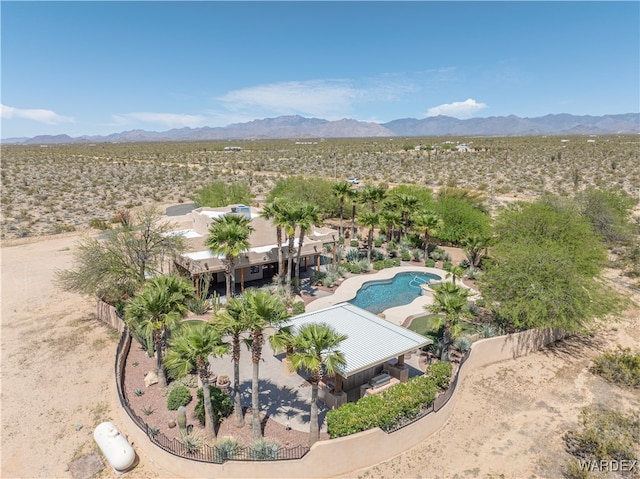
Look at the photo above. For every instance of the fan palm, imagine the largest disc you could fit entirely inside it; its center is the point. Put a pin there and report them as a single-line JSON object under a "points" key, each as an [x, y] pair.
{"points": [[370, 220], [451, 300], [274, 211], [315, 347], [155, 309], [428, 222], [341, 190], [189, 350], [229, 237], [308, 216], [232, 322], [261, 310]]}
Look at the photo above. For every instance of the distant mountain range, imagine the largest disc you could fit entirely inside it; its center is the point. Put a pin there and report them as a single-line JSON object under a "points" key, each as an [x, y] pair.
{"points": [[300, 127]]}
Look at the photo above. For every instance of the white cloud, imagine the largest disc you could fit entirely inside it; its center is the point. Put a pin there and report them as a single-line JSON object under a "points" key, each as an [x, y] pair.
{"points": [[171, 120], [459, 109], [41, 116], [328, 99]]}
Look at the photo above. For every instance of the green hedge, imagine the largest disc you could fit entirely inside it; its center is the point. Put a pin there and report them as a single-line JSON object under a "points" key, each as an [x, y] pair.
{"points": [[403, 401]]}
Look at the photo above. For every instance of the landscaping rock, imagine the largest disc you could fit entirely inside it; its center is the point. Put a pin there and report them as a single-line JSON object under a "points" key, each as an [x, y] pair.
{"points": [[151, 378]]}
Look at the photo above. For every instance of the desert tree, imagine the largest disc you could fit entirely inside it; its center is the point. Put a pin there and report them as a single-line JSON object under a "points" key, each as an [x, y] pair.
{"points": [[341, 190], [114, 266]]}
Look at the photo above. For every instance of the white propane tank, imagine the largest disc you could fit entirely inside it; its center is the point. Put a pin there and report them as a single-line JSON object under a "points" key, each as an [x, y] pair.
{"points": [[114, 446]]}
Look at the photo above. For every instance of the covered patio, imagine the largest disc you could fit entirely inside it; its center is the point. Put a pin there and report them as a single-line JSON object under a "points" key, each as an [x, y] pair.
{"points": [[375, 352]]}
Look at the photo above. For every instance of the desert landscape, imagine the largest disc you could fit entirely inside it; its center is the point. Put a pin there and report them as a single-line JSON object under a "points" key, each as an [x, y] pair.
{"points": [[57, 359]]}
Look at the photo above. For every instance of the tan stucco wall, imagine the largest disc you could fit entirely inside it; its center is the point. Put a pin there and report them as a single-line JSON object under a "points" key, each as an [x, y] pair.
{"points": [[339, 456]]}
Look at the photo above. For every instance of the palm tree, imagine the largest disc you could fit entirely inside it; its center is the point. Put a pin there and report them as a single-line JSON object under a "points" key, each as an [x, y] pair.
{"points": [[232, 322], [308, 216], [291, 216], [392, 219], [452, 301], [372, 195], [274, 212], [429, 222], [157, 308], [342, 191], [406, 204], [190, 349], [261, 309], [456, 272], [353, 195], [316, 350], [370, 220], [475, 246], [229, 237]]}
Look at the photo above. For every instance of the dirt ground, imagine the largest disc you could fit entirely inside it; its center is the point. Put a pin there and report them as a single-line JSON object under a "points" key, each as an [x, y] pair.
{"points": [[57, 385]]}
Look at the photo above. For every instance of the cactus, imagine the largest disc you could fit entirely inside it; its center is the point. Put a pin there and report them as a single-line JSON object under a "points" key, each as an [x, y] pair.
{"points": [[182, 420]]}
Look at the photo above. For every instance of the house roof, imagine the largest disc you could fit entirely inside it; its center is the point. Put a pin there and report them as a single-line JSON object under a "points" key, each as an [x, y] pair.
{"points": [[371, 340], [262, 250]]}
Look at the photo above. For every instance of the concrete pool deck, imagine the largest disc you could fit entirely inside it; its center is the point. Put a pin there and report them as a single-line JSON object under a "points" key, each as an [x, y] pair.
{"points": [[348, 289]]}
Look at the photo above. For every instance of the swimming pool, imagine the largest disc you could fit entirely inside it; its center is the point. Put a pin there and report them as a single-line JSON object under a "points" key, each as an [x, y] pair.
{"points": [[376, 296]]}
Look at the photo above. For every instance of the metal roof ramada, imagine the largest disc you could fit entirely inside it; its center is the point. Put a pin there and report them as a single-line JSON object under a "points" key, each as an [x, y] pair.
{"points": [[371, 340]]}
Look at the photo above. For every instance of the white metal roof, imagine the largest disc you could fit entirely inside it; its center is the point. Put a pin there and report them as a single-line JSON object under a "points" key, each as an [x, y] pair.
{"points": [[371, 340]]}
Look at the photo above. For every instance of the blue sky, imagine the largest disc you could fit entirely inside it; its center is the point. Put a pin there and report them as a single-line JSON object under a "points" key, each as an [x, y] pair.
{"points": [[88, 68]]}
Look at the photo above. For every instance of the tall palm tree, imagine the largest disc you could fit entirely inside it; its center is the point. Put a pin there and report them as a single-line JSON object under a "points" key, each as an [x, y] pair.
{"points": [[274, 211], [291, 217], [341, 190], [406, 203], [157, 308], [354, 195], [229, 237], [371, 220], [190, 349], [316, 350], [261, 309], [391, 218], [233, 322], [308, 216], [451, 300], [456, 272], [429, 222]]}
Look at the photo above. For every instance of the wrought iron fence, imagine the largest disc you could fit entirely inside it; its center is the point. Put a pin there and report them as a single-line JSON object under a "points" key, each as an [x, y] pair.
{"points": [[203, 453]]}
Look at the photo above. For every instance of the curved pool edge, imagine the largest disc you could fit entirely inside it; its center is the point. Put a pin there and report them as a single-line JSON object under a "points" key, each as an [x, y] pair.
{"points": [[350, 286]]}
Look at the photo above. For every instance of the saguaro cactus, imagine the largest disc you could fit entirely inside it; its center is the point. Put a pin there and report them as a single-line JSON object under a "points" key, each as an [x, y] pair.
{"points": [[182, 420]]}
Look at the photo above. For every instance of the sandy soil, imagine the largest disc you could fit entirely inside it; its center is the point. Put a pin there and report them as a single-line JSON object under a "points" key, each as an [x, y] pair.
{"points": [[57, 384]]}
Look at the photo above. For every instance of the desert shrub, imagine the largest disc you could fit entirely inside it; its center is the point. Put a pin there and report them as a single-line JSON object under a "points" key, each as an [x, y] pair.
{"points": [[317, 277], [429, 263], [354, 268], [298, 307], [619, 366], [399, 403], [377, 242], [447, 266], [354, 243], [221, 403], [417, 254], [352, 256], [189, 381], [99, 224], [264, 450], [437, 254], [192, 443], [440, 372], [462, 344], [386, 263], [377, 254], [604, 434], [365, 264], [178, 396], [226, 449], [405, 255], [198, 306]]}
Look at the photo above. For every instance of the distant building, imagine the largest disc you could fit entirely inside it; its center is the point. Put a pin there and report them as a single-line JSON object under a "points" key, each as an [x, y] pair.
{"points": [[232, 148]]}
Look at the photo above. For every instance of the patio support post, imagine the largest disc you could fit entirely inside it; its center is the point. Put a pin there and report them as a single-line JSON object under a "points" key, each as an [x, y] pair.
{"points": [[401, 360]]}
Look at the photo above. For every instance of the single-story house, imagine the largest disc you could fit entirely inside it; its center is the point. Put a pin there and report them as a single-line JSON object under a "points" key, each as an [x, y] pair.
{"points": [[261, 259], [374, 351]]}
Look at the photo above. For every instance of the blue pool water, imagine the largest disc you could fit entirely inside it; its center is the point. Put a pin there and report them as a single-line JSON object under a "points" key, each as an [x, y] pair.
{"points": [[376, 296]]}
